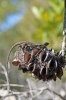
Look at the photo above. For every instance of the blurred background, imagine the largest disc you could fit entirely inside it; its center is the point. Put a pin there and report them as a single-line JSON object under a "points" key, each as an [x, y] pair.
{"points": [[36, 21]]}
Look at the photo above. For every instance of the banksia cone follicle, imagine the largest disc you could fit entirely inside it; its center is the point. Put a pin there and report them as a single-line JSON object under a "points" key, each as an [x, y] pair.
{"points": [[37, 59]]}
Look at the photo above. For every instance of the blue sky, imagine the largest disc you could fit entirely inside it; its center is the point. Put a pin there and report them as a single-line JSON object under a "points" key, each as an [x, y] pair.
{"points": [[11, 20]]}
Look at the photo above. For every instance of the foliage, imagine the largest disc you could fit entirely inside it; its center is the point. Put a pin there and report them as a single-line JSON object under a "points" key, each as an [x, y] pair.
{"points": [[6, 8], [49, 23]]}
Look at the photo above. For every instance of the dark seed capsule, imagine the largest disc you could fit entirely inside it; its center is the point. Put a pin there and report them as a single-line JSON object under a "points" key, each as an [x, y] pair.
{"points": [[27, 57], [16, 62], [59, 72], [35, 51]]}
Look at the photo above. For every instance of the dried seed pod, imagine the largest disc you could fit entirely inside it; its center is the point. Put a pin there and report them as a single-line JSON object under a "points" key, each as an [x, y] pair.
{"points": [[43, 74], [36, 72], [16, 62], [27, 57], [30, 67], [23, 67], [59, 72], [18, 57], [43, 56], [35, 51]]}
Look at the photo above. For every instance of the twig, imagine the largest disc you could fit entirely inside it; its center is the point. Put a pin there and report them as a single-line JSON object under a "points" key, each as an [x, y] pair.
{"points": [[64, 34], [6, 75], [29, 87], [26, 94], [56, 94], [40, 90], [44, 89], [12, 85], [38, 93]]}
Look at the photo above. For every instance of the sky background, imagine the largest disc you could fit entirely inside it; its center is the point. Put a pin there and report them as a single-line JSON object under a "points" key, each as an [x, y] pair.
{"points": [[12, 18]]}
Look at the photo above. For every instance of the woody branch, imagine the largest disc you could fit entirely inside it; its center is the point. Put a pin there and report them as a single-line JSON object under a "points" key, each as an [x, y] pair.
{"points": [[64, 33]]}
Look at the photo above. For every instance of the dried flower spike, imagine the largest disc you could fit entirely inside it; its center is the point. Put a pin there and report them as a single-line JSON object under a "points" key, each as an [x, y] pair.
{"points": [[37, 59]]}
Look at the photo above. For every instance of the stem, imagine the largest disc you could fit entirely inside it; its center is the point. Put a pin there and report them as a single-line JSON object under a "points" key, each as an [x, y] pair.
{"points": [[64, 33], [7, 78], [64, 26]]}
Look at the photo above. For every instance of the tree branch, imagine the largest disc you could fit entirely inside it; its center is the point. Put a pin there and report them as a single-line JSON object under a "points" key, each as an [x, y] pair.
{"points": [[64, 34]]}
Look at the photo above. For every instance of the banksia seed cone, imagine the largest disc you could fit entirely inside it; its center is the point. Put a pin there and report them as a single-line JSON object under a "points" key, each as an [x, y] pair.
{"points": [[39, 60]]}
